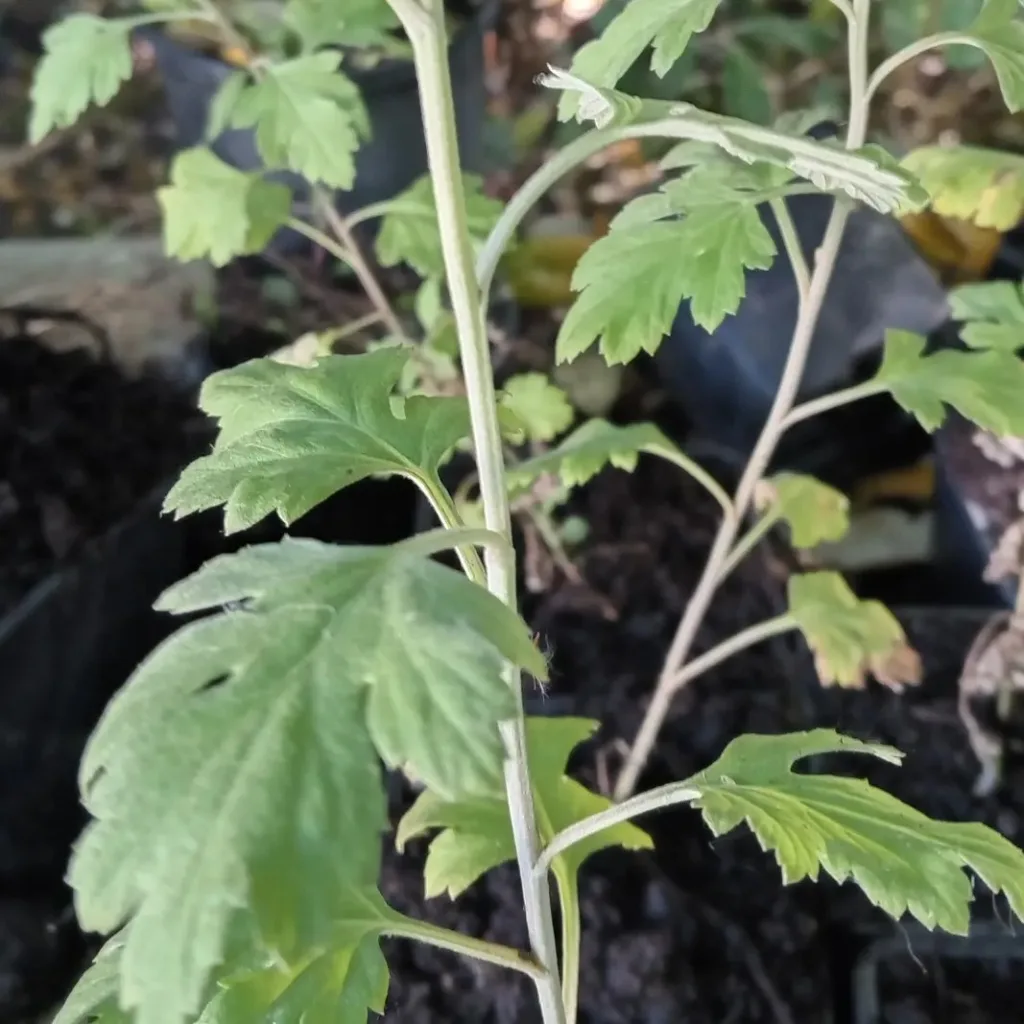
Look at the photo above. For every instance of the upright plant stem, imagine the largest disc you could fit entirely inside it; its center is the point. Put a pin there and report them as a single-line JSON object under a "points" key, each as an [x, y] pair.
{"points": [[775, 425], [423, 21]]}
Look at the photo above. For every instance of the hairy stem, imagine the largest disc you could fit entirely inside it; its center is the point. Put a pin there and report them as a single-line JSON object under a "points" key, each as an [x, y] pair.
{"points": [[424, 24], [775, 425], [456, 942]]}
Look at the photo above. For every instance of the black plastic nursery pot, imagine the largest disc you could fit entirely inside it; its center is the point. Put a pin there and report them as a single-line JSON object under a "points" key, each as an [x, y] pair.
{"points": [[79, 573], [389, 161], [920, 976]]}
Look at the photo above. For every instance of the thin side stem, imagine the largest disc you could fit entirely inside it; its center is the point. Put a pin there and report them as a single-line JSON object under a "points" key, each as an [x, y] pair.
{"points": [[541, 181], [232, 36], [325, 241], [424, 25], [360, 267], [456, 942], [794, 250], [445, 510], [761, 528], [433, 542], [817, 406], [644, 803], [774, 427], [908, 53], [738, 642], [370, 212]]}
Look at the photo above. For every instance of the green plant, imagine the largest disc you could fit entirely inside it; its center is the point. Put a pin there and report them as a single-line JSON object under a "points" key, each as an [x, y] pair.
{"points": [[235, 785]]}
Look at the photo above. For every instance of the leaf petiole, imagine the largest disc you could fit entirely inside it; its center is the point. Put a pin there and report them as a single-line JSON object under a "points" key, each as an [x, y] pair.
{"points": [[402, 927]]}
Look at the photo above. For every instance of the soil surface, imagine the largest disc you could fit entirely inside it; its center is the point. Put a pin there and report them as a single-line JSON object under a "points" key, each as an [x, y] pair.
{"points": [[80, 446], [701, 930]]}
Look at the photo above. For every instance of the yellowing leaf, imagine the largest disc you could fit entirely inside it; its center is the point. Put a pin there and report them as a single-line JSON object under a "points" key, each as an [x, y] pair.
{"points": [[409, 232], [85, 60], [240, 762], [984, 386], [901, 859], [290, 436], [992, 314], [308, 117], [850, 638], [213, 211], [539, 406], [983, 186], [815, 512], [477, 834]]}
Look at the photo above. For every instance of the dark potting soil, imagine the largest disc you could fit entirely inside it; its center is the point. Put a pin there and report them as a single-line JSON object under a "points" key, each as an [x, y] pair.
{"points": [[701, 930], [80, 447], [934, 990]]}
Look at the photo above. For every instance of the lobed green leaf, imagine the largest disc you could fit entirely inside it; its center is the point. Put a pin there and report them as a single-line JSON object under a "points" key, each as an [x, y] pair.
{"points": [[477, 834], [666, 26], [290, 436], [901, 859], [86, 59], [985, 386], [992, 314], [999, 32], [308, 117], [241, 759], [409, 231], [591, 447], [540, 407], [213, 211]]}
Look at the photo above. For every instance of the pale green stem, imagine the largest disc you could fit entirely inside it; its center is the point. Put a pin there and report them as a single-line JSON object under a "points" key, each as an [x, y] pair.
{"points": [[567, 882], [817, 406], [360, 267], [909, 52], [746, 544], [424, 24], [701, 475], [433, 542], [774, 427], [141, 20], [540, 182], [445, 510], [644, 803], [456, 942], [738, 642], [318, 237], [794, 250], [370, 212]]}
